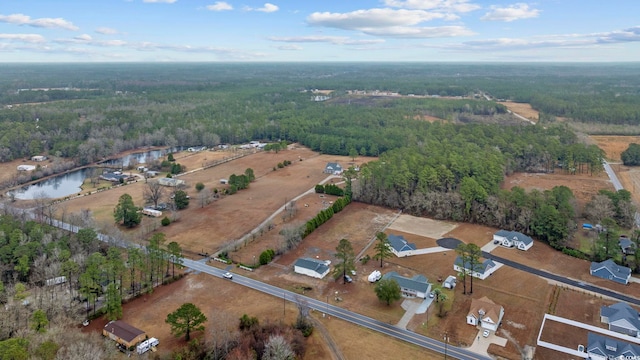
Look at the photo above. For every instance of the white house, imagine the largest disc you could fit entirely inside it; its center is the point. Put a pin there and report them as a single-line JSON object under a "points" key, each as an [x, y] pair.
{"points": [[417, 286], [39, 158], [170, 182], [333, 168], [481, 270], [513, 239], [26, 167], [399, 246], [311, 267], [485, 313]]}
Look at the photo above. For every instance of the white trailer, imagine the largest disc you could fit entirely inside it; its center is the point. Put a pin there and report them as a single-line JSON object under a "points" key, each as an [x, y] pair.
{"points": [[152, 212], [374, 276], [147, 345]]}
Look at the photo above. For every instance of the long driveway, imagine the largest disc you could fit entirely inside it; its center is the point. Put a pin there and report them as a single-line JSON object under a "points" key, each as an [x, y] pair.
{"points": [[338, 312]]}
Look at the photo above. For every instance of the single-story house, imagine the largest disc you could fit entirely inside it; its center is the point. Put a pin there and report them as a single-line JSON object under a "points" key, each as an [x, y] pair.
{"points": [[417, 286], [197, 148], [611, 271], [600, 347], [621, 318], [627, 246], [333, 168], [399, 246], [513, 239], [482, 269], [311, 267], [123, 333], [449, 282], [170, 182], [151, 173], [38, 158], [116, 177], [26, 167], [485, 313]]}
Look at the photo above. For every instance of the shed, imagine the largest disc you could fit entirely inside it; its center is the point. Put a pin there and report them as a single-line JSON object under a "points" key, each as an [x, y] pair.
{"points": [[311, 267], [123, 333], [38, 158]]}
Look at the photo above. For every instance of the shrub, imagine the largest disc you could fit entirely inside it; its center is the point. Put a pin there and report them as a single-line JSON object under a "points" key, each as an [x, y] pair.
{"points": [[319, 189], [365, 259], [280, 165], [165, 221], [199, 186]]}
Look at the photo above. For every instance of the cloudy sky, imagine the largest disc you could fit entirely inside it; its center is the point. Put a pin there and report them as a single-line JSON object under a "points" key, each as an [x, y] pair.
{"points": [[319, 30]]}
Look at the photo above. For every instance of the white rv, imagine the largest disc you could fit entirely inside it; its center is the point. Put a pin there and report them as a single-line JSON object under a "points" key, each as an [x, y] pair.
{"points": [[374, 276], [146, 345]]}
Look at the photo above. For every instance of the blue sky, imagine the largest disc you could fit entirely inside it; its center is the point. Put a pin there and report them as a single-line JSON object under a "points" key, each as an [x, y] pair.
{"points": [[318, 30]]}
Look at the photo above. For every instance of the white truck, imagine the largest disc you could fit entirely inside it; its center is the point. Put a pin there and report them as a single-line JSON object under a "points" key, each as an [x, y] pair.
{"points": [[147, 345], [374, 276], [152, 212]]}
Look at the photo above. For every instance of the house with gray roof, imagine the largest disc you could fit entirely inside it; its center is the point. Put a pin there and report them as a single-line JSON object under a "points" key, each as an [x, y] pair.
{"points": [[513, 239], [417, 286], [627, 246], [311, 267], [611, 271], [621, 318], [481, 270], [600, 347], [399, 246], [333, 168]]}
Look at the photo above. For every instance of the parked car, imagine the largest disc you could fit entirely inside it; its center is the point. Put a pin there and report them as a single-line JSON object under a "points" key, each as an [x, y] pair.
{"points": [[432, 295], [485, 333], [227, 275], [347, 279]]}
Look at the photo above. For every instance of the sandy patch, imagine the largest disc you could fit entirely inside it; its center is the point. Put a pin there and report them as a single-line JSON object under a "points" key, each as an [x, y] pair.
{"points": [[422, 226]]}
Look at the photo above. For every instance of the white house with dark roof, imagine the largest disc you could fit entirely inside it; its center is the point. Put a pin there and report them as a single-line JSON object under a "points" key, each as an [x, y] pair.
{"points": [[481, 270], [513, 239], [621, 318], [333, 168], [417, 286], [485, 313], [400, 247], [611, 271], [600, 347], [311, 267]]}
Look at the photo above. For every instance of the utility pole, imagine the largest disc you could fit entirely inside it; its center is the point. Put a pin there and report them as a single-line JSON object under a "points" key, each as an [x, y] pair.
{"points": [[446, 342]]}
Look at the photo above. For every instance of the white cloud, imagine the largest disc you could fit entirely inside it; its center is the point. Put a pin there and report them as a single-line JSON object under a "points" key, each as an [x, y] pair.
{"points": [[50, 23], [267, 8], [220, 6], [389, 22], [29, 38], [510, 13], [160, 1], [83, 37], [106, 31], [457, 6], [336, 40], [290, 47]]}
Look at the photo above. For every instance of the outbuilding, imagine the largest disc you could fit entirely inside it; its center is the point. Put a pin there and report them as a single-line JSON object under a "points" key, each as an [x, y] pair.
{"points": [[123, 333], [311, 267]]}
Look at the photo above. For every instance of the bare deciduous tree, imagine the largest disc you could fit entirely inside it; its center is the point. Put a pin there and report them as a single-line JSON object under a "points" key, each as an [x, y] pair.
{"points": [[153, 192]]}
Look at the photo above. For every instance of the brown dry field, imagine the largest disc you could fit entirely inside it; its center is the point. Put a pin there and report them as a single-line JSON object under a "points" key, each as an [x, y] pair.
{"points": [[212, 294], [429, 118], [613, 146], [575, 305], [206, 229], [522, 109], [583, 186]]}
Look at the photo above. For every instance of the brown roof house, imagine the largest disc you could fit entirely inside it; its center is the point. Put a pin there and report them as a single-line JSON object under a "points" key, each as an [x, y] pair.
{"points": [[123, 333], [485, 313]]}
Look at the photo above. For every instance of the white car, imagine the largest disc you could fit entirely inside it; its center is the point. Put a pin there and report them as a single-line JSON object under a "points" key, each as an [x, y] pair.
{"points": [[485, 333], [227, 275]]}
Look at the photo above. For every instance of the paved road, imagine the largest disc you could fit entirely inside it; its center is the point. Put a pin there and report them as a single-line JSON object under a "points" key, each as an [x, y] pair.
{"points": [[452, 243], [346, 315], [612, 176]]}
